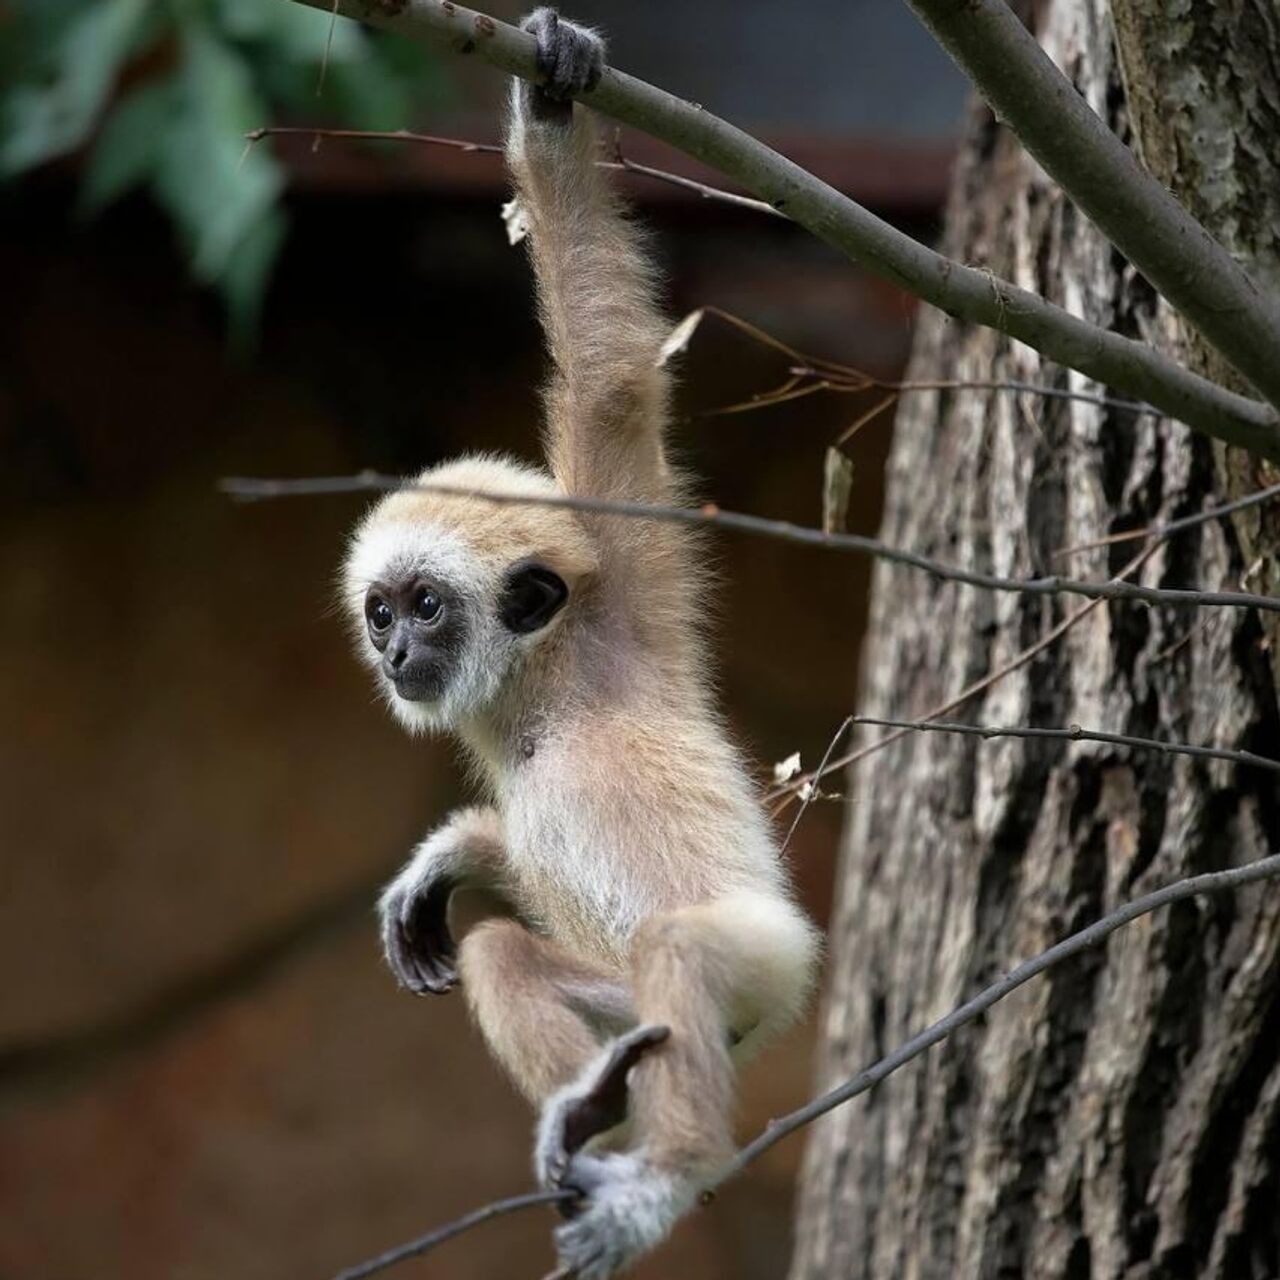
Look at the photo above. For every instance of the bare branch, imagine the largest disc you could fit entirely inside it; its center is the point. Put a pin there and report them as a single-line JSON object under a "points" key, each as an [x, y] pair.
{"points": [[1030, 388], [808, 796], [372, 135], [1074, 733], [424, 1244], [1103, 177], [847, 379], [619, 164], [791, 789], [967, 293], [249, 489], [1195, 886], [1177, 526]]}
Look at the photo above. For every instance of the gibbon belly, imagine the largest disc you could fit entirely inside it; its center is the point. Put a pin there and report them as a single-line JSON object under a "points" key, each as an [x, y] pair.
{"points": [[596, 848]]}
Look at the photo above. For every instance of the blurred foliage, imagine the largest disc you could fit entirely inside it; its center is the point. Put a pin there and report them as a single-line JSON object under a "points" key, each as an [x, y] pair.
{"points": [[163, 91]]}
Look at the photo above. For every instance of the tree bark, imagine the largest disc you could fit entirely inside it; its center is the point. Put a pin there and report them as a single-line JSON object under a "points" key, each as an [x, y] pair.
{"points": [[1215, 146], [1121, 1117]]}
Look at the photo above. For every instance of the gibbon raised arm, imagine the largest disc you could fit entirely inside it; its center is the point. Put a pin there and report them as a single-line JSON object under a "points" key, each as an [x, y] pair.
{"points": [[607, 402], [650, 938]]}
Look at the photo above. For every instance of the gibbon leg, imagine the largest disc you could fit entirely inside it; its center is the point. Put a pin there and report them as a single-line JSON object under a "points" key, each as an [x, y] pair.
{"points": [[543, 1013], [724, 974], [729, 972], [682, 1097]]}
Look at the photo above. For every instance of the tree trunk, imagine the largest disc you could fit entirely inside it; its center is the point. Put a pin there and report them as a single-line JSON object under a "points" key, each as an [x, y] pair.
{"points": [[1121, 1115]]}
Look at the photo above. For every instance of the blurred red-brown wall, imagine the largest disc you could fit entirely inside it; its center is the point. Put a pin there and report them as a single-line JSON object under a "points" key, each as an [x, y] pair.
{"points": [[205, 1071]]}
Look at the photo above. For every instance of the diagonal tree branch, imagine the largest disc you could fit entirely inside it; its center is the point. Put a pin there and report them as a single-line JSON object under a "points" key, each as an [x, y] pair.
{"points": [[1091, 936], [1194, 886], [783, 793], [424, 1244], [1073, 733], [966, 293], [1216, 512], [1104, 178]]}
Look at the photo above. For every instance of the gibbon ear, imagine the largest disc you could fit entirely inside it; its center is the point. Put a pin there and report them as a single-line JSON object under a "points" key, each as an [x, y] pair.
{"points": [[531, 596]]}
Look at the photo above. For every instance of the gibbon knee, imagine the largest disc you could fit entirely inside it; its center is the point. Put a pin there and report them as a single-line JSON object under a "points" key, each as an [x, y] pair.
{"points": [[753, 954]]}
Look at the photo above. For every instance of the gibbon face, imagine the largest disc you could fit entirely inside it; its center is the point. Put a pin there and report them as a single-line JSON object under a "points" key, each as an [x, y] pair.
{"points": [[419, 627], [419, 624], [449, 593]]}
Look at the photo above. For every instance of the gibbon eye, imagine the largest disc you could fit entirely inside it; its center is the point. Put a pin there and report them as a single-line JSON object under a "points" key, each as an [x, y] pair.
{"points": [[379, 613], [426, 605]]}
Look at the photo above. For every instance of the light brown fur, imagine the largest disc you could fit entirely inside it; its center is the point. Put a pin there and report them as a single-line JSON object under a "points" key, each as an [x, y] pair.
{"points": [[523, 990], [644, 879]]}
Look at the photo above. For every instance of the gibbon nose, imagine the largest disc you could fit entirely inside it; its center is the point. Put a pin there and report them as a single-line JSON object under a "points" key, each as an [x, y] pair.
{"points": [[394, 658]]}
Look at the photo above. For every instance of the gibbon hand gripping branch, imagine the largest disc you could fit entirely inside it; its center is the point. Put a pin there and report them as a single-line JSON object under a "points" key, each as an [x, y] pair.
{"points": [[963, 292]]}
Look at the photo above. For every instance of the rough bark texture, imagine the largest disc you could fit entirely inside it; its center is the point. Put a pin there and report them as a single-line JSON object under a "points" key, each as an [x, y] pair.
{"points": [[1120, 1117], [1202, 83]]}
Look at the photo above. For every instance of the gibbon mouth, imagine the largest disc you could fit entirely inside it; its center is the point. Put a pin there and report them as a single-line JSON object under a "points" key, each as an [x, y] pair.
{"points": [[416, 686]]}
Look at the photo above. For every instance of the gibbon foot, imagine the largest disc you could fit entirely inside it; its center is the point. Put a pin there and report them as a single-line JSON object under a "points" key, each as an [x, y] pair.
{"points": [[570, 57], [630, 1207], [593, 1104], [415, 934]]}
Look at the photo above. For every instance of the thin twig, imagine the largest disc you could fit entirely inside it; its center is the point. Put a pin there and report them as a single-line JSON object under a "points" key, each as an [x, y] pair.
{"points": [[424, 1244], [1216, 512], [370, 135], [620, 164], [885, 402], [1033, 388], [786, 793], [845, 379], [765, 338], [968, 293], [1075, 733], [328, 50], [1172, 650], [767, 399], [1213, 882], [810, 795], [864, 380], [253, 489]]}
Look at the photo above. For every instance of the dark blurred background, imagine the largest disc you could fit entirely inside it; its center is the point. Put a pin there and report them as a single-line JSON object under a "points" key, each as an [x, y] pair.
{"points": [[205, 1070]]}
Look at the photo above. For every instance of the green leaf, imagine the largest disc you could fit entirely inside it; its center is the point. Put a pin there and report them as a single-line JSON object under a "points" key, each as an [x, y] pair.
{"points": [[362, 86], [362, 94], [383, 87], [294, 33], [214, 184], [127, 151], [45, 117], [243, 283], [180, 130]]}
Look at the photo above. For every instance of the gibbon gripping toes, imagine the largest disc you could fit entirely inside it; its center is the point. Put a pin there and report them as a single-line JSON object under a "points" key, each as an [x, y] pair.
{"points": [[650, 937]]}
